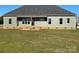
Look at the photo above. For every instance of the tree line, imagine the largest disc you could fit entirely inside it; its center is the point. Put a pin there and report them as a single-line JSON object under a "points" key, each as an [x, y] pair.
{"points": [[1, 20]]}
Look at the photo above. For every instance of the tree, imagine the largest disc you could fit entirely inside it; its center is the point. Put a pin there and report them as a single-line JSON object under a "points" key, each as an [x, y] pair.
{"points": [[1, 20]]}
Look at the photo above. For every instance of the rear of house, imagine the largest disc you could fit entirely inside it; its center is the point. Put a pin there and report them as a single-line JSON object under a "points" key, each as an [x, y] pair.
{"points": [[43, 16], [77, 22]]}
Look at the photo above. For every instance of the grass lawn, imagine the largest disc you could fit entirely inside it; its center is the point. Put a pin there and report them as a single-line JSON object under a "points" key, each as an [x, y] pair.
{"points": [[39, 41]]}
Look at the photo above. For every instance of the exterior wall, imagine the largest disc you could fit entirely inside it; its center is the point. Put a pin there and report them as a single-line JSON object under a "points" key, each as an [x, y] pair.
{"points": [[6, 24], [41, 23], [55, 23], [24, 25]]}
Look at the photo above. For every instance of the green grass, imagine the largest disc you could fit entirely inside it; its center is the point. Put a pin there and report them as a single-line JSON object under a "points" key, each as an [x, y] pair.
{"points": [[39, 41]]}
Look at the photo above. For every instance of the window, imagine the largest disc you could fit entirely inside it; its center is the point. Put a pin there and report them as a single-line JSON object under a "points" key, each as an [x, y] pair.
{"points": [[68, 20], [61, 21], [49, 21], [10, 21], [25, 22], [28, 22], [39, 18], [22, 22]]}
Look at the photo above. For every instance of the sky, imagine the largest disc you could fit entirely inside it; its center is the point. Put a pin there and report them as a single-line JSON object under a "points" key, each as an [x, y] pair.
{"points": [[7, 8]]}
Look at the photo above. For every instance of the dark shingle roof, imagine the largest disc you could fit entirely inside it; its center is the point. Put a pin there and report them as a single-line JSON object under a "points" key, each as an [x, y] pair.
{"points": [[40, 10]]}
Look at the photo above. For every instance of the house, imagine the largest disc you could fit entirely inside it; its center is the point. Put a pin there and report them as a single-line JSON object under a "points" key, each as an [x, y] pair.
{"points": [[43, 16], [77, 22]]}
